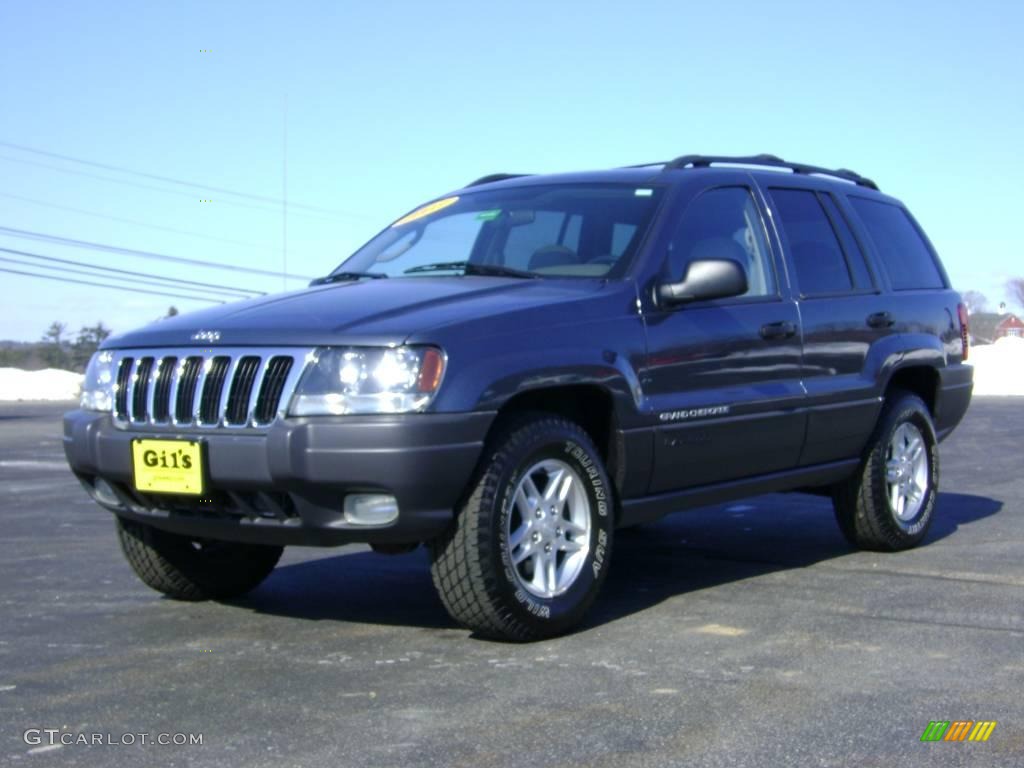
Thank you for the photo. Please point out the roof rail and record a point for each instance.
(770, 161)
(496, 177)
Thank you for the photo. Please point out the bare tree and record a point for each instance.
(1015, 287)
(975, 301)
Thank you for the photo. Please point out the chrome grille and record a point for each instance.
(241, 389)
(124, 379)
(160, 405)
(213, 389)
(140, 392)
(232, 388)
(270, 388)
(187, 377)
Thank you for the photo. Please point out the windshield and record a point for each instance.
(566, 230)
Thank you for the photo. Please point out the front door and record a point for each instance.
(723, 376)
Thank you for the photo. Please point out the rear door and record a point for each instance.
(844, 317)
(723, 376)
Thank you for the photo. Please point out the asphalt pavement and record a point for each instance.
(747, 634)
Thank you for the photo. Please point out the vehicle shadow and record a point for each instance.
(688, 552)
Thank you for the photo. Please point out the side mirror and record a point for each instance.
(706, 279)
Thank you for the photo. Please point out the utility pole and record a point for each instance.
(284, 199)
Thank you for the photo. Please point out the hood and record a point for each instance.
(365, 311)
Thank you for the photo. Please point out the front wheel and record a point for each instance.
(194, 569)
(529, 548)
(889, 503)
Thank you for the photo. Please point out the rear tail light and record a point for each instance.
(961, 311)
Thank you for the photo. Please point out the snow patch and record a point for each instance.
(48, 384)
(999, 367)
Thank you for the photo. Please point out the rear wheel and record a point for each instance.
(194, 569)
(529, 548)
(889, 503)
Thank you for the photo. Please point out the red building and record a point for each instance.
(1011, 325)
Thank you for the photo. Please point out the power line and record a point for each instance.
(172, 180)
(242, 293)
(134, 222)
(26, 234)
(141, 281)
(136, 185)
(113, 287)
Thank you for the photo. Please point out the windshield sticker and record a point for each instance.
(644, 192)
(489, 215)
(426, 210)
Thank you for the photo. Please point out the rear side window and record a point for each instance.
(906, 257)
(854, 255)
(817, 256)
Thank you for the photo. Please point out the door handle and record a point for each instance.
(880, 320)
(781, 330)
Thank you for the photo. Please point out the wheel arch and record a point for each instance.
(921, 380)
(589, 405)
(593, 408)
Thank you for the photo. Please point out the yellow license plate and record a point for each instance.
(168, 466)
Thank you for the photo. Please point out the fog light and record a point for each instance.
(104, 494)
(370, 509)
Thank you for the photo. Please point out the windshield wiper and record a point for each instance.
(498, 270)
(441, 266)
(471, 268)
(341, 277)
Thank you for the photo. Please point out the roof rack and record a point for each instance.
(496, 177)
(771, 161)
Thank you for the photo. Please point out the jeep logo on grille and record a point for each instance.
(210, 336)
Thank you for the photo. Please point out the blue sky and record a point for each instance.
(392, 103)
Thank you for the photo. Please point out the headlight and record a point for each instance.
(369, 380)
(98, 386)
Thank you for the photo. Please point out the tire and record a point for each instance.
(864, 504)
(506, 575)
(194, 569)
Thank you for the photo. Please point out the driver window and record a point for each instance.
(724, 223)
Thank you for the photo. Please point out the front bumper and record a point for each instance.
(286, 484)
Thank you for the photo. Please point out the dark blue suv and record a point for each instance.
(511, 372)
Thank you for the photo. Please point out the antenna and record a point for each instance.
(284, 199)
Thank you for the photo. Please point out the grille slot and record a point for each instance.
(227, 388)
(241, 390)
(272, 388)
(140, 388)
(187, 389)
(162, 389)
(213, 388)
(124, 379)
